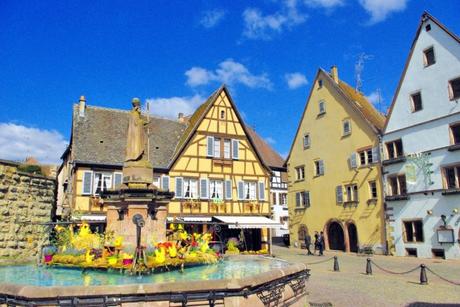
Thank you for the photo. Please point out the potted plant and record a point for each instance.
(48, 253)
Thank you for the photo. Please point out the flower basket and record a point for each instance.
(113, 260)
(127, 261)
(48, 258)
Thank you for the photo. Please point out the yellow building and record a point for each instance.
(210, 160)
(333, 169)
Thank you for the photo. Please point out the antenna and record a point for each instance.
(359, 67)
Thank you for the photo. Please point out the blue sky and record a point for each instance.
(175, 53)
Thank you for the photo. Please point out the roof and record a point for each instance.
(425, 16)
(100, 137)
(267, 153)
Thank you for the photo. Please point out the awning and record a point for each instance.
(190, 218)
(89, 217)
(239, 222)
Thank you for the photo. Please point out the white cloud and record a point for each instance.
(212, 18)
(229, 72)
(375, 97)
(270, 140)
(295, 80)
(380, 9)
(171, 107)
(327, 4)
(258, 25)
(18, 142)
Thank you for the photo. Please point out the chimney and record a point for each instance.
(82, 106)
(335, 74)
(180, 117)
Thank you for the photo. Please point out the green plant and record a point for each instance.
(31, 169)
(232, 245)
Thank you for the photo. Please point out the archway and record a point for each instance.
(352, 237)
(335, 236)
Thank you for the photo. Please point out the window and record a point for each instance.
(339, 194)
(454, 89)
(165, 183)
(249, 190)
(102, 182)
(428, 57)
(455, 133)
(320, 83)
(235, 149)
(394, 149)
(283, 198)
(227, 145)
(373, 189)
(216, 189)
(368, 156)
(274, 198)
(190, 188)
(217, 148)
(352, 192)
(87, 182)
(222, 114)
(451, 177)
(319, 167)
(321, 107)
(416, 101)
(397, 185)
(346, 127)
(300, 173)
(117, 179)
(302, 199)
(413, 231)
(156, 181)
(306, 141)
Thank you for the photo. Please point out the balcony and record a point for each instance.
(278, 185)
(451, 191)
(394, 160)
(397, 197)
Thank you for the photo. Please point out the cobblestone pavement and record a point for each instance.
(352, 287)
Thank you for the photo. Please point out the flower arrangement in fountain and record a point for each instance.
(83, 248)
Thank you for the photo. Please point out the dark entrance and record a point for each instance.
(353, 237)
(335, 236)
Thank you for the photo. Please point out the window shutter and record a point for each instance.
(117, 179)
(297, 199)
(179, 187)
(235, 149)
(87, 182)
(228, 189)
(339, 194)
(165, 183)
(204, 187)
(210, 149)
(321, 167)
(375, 154)
(261, 190)
(451, 91)
(240, 190)
(306, 196)
(353, 160)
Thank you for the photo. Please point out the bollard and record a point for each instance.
(423, 278)
(336, 264)
(368, 267)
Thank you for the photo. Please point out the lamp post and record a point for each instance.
(138, 220)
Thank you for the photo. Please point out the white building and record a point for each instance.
(421, 146)
(278, 192)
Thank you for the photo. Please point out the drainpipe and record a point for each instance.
(382, 188)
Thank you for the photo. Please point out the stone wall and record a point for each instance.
(25, 200)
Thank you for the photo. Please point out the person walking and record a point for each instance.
(308, 243)
(321, 243)
(316, 242)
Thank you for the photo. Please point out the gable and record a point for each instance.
(431, 81)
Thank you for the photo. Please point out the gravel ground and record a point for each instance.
(352, 287)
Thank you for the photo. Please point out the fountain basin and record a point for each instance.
(236, 280)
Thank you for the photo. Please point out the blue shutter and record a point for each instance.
(165, 183)
(240, 190)
(261, 190)
(339, 194)
(375, 154)
(228, 189)
(297, 199)
(210, 149)
(204, 188)
(235, 149)
(321, 167)
(87, 182)
(353, 160)
(179, 187)
(117, 179)
(306, 200)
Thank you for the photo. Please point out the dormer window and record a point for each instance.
(428, 57)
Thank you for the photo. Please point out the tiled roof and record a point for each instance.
(100, 137)
(366, 108)
(270, 157)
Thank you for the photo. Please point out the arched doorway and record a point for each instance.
(335, 236)
(352, 237)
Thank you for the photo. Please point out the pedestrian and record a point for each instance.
(316, 242)
(308, 243)
(321, 243)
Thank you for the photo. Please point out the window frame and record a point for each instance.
(214, 185)
(452, 135)
(393, 144)
(306, 136)
(412, 101)
(352, 193)
(184, 188)
(103, 176)
(322, 102)
(345, 121)
(373, 186)
(452, 96)
(414, 232)
(297, 168)
(425, 58)
(319, 167)
(456, 168)
(398, 184)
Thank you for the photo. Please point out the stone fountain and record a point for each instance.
(137, 196)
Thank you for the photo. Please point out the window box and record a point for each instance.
(350, 203)
(396, 197)
(223, 162)
(394, 160)
(372, 201)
